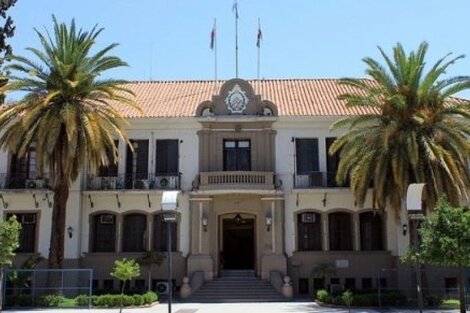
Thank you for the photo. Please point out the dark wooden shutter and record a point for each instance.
(134, 227)
(167, 157)
(160, 234)
(112, 169)
(104, 235)
(340, 231)
(142, 159)
(309, 234)
(307, 155)
(371, 231)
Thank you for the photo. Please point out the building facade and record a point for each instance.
(256, 186)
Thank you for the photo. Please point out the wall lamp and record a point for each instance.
(269, 222)
(204, 222)
(70, 231)
(405, 229)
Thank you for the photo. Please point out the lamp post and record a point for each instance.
(169, 206)
(415, 214)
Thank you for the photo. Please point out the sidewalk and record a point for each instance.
(279, 307)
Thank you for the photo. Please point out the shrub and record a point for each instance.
(366, 299)
(150, 297)
(322, 295)
(51, 300)
(82, 300)
(138, 299)
(127, 300)
(394, 298)
(433, 301)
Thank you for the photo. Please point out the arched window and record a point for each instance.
(371, 231)
(133, 235)
(104, 233)
(160, 238)
(309, 231)
(340, 230)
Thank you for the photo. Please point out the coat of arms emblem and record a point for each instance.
(236, 100)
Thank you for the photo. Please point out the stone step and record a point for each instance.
(236, 286)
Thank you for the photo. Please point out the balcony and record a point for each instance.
(317, 180)
(140, 181)
(236, 180)
(24, 181)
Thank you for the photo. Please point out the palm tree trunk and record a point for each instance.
(56, 248)
(462, 289)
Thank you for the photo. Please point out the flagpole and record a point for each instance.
(215, 51)
(235, 5)
(259, 46)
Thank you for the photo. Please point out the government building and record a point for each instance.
(256, 191)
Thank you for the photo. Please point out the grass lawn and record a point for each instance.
(450, 304)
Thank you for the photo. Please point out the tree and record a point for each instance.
(445, 241)
(9, 242)
(68, 112)
(418, 133)
(150, 260)
(6, 31)
(125, 270)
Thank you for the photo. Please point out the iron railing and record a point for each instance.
(317, 180)
(24, 181)
(135, 181)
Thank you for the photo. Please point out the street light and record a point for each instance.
(415, 213)
(169, 206)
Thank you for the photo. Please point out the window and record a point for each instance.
(371, 231)
(350, 284)
(137, 164)
(22, 169)
(309, 231)
(139, 285)
(111, 170)
(104, 233)
(167, 157)
(27, 238)
(340, 231)
(133, 237)
(366, 283)
(108, 284)
(306, 156)
(237, 155)
(160, 234)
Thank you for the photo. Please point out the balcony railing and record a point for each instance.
(24, 181)
(317, 180)
(139, 181)
(236, 179)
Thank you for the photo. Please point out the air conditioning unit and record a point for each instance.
(28, 219)
(141, 184)
(165, 182)
(162, 287)
(107, 219)
(108, 183)
(34, 183)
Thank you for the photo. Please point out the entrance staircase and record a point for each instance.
(236, 286)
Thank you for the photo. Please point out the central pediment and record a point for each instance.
(236, 98)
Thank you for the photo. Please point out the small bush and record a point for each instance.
(51, 300)
(433, 301)
(127, 300)
(82, 300)
(367, 299)
(322, 295)
(138, 300)
(150, 297)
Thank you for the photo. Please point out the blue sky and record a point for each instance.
(169, 39)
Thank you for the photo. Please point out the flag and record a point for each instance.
(213, 34)
(235, 8)
(259, 37)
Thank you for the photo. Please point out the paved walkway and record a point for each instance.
(282, 307)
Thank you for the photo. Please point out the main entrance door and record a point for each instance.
(238, 244)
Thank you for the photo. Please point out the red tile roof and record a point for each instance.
(293, 97)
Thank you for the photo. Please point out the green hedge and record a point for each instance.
(389, 298)
(109, 301)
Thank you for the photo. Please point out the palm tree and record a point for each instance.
(66, 111)
(418, 133)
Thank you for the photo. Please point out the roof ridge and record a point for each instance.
(163, 81)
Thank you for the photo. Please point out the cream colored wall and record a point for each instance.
(337, 198)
